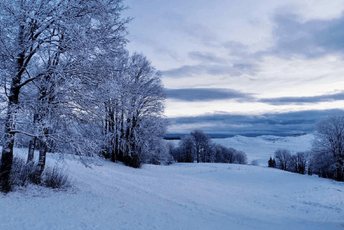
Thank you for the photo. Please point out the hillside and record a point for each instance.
(179, 196)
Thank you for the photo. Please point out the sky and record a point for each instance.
(245, 67)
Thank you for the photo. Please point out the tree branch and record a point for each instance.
(22, 132)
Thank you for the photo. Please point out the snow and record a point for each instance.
(179, 196)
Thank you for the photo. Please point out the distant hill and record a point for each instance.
(177, 136)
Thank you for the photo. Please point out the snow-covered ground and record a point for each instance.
(179, 196)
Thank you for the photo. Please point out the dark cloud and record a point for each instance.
(313, 38)
(207, 94)
(303, 100)
(184, 71)
(210, 94)
(267, 124)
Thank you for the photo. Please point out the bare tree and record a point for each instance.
(298, 162)
(283, 157)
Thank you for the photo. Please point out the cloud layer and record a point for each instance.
(206, 94)
(210, 94)
(267, 124)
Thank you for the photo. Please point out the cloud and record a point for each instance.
(303, 100)
(211, 69)
(267, 124)
(310, 39)
(207, 57)
(201, 33)
(157, 46)
(207, 94)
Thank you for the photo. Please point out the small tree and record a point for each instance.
(272, 163)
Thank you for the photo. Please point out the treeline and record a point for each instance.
(199, 147)
(325, 159)
(301, 162)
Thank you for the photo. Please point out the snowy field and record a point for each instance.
(179, 196)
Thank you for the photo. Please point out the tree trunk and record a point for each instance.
(10, 122)
(7, 150)
(42, 158)
(31, 152)
(32, 143)
(7, 156)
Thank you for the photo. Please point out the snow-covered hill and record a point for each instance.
(179, 196)
(262, 147)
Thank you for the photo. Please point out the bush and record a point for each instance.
(154, 160)
(22, 173)
(161, 154)
(254, 163)
(55, 178)
(240, 158)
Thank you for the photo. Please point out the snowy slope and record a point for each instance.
(179, 196)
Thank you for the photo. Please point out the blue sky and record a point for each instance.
(248, 66)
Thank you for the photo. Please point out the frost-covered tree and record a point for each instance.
(43, 42)
(132, 110)
(240, 157)
(188, 149)
(328, 148)
(25, 34)
(219, 153)
(202, 144)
